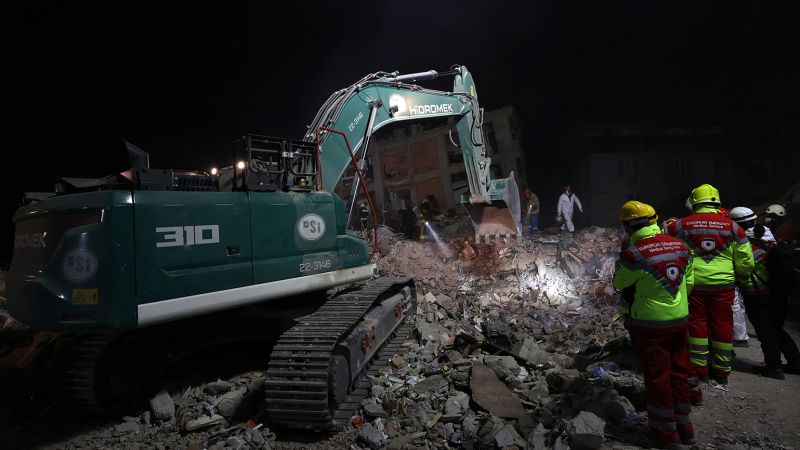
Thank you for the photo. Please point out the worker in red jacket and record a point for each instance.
(720, 250)
(659, 269)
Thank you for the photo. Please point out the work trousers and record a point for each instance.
(567, 225)
(664, 357)
(767, 313)
(533, 223)
(711, 322)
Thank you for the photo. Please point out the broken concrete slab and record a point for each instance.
(433, 383)
(586, 431)
(492, 394)
(370, 436)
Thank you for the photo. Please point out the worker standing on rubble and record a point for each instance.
(531, 211)
(566, 207)
(659, 268)
(720, 250)
(766, 304)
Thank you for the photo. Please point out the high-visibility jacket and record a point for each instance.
(719, 247)
(756, 283)
(660, 268)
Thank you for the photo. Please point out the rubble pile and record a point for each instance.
(509, 349)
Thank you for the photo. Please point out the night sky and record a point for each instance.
(182, 83)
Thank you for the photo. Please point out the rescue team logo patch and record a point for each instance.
(708, 244)
(673, 272)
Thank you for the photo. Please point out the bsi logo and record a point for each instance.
(188, 235)
(311, 227)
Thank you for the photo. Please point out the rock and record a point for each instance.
(585, 431)
(229, 403)
(162, 406)
(537, 439)
(145, 418)
(491, 394)
(399, 442)
(218, 387)
(526, 424)
(561, 380)
(559, 444)
(370, 436)
(508, 436)
(125, 428)
(457, 405)
(433, 383)
(489, 429)
(497, 332)
(618, 409)
(373, 408)
(204, 422)
(505, 367)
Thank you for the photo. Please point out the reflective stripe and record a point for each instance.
(707, 232)
(665, 413)
(659, 323)
(666, 257)
(716, 345)
(735, 230)
(665, 426)
(722, 353)
(682, 407)
(698, 340)
(698, 348)
(712, 287)
(683, 420)
(702, 362)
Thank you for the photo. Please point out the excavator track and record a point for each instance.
(72, 379)
(302, 365)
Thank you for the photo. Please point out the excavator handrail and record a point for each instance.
(363, 183)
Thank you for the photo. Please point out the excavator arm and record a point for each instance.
(381, 99)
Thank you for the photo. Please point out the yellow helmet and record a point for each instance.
(635, 213)
(705, 193)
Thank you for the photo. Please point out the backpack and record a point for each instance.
(783, 266)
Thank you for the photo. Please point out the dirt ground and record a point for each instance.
(754, 410)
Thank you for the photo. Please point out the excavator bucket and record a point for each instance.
(499, 219)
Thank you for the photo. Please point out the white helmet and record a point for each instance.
(688, 204)
(776, 210)
(742, 214)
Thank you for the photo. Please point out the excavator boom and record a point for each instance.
(381, 99)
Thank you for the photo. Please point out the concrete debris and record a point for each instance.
(371, 436)
(493, 395)
(162, 406)
(585, 431)
(514, 347)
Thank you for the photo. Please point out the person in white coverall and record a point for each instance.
(566, 206)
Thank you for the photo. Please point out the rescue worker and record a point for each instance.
(566, 207)
(531, 211)
(720, 249)
(660, 269)
(766, 308)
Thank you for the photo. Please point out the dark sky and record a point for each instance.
(183, 82)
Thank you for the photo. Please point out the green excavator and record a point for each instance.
(129, 267)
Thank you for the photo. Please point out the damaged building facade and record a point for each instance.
(409, 162)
